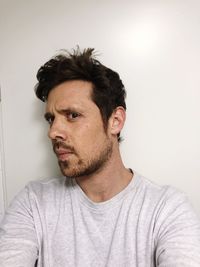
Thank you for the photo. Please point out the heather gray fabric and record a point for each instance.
(145, 225)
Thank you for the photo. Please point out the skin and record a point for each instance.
(84, 149)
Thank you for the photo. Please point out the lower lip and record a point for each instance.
(64, 156)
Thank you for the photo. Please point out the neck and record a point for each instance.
(108, 182)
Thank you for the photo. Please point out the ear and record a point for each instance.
(117, 120)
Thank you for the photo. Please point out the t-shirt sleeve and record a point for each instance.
(178, 238)
(18, 240)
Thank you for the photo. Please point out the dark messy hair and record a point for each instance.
(108, 89)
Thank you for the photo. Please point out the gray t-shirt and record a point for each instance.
(54, 222)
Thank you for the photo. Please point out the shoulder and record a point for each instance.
(42, 190)
(48, 188)
(47, 184)
(162, 193)
(164, 202)
(170, 214)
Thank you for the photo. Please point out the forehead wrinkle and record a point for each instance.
(62, 107)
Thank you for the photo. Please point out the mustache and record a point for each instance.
(61, 145)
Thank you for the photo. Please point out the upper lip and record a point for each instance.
(62, 151)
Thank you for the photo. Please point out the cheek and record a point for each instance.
(90, 130)
(89, 137)
(81, 137)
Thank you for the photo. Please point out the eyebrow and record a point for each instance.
(49, 115)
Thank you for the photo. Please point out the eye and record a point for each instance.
(72, 115)
(49, 119)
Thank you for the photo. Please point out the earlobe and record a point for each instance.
(117, 120)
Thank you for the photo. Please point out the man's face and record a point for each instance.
(76, 129)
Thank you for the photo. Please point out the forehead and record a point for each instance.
(76, 93)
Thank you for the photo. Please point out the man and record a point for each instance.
(99, 213)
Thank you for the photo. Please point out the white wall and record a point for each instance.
(154, 45)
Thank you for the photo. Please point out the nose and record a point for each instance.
(57, 130)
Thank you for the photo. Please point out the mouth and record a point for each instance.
(63, 155)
